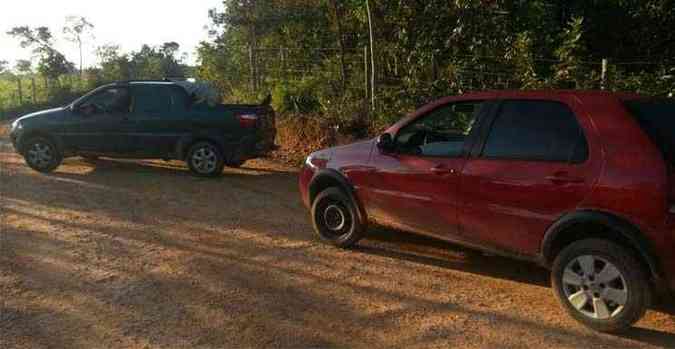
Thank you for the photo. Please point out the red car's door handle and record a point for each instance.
(562, 178)
(442, 170)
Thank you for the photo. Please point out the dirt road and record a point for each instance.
(142, 255)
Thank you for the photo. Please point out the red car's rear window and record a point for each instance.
(657, 118)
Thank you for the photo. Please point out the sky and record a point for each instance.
(127, 23)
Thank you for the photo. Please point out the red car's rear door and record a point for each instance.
(533, 166)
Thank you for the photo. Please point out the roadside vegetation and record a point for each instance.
(355, 66)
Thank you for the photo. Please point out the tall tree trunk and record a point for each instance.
(251, 62)
(253, 45)
(81, 60)
(372, 55)
(341, 43)
(32, 83)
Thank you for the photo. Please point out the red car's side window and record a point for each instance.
(440, 133)
(536, 131)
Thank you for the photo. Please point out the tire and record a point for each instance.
(582, 274)
(335, 218)
(205, 159)
(41, 154)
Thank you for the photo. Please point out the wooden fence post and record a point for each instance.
(20, 91)
(32, 81)
(603, 82)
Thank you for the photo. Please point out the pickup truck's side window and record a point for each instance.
(148, 99)
(536, 131)
(111, 100)
(179, 99)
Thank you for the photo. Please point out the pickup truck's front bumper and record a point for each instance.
(15, 139)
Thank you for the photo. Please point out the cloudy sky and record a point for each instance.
(128, 23)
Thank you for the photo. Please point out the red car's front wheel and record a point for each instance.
(335, 218)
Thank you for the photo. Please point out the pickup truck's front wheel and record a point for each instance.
(205, 159)
(42, 155)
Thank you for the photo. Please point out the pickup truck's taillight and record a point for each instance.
(248, 120)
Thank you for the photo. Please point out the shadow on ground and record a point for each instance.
(141, 253)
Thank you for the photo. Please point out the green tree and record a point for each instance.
(77, 30)
(52, 63)
(114, 65)
(38, 39)
(171, 65)
(24, 66)
(570, 53)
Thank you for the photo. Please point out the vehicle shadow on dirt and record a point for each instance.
(399, 245)
(280, 187)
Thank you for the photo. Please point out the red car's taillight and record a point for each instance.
(248, 120)
(671, 193)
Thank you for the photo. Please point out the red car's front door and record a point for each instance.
(534, 166)
(416, 184)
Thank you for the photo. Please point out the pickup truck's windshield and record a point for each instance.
(657, 118)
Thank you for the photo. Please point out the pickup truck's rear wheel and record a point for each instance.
(205, 159)
(601, 284)
(335, 218)
(41, 154)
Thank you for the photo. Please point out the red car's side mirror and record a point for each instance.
(385, 142)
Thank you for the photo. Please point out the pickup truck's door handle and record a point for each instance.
(442, 170)
(564, 178)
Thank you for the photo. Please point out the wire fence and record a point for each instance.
(350, 70)
(463, 73)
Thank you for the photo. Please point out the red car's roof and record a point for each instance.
(495, 94)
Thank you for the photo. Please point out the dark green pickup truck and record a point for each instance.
(146, 120)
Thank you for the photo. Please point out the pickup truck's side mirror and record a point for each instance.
(385, 143)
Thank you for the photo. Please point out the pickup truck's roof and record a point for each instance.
(199, 90)
(144, 82)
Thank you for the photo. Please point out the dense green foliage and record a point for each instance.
(55, 81)
(310, 54)
(313, 56)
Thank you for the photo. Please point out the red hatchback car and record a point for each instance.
(580, 182)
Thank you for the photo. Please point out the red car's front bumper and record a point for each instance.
(305, 178)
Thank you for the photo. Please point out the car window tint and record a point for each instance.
(111, 100)
(151, 99)
(442, 132)
(657, 118)
(179, 99)
(536, 130)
